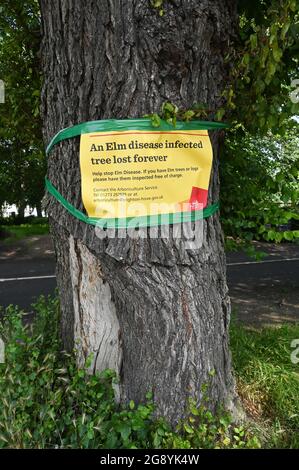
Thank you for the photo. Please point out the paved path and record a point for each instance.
(262, 293)
(267, 296)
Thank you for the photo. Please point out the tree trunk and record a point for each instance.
(153, 310)
(39, 211)
(21, 212)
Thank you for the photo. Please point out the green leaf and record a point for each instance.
(246, 59)
(293, 5)
(167, 106)
(125, 430)
(157, 3)
(188, 115)
(220, 113)
(285, 29)
(288, 235)
(149, 395)
(132, 405)
(188, 428)
(155, 120)
(277, 54)
(253, 41)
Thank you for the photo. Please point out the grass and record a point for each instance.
(18, 232)
(268, 381)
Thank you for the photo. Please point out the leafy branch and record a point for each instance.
(171, 113)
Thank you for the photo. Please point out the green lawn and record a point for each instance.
(17, 232)
(268, 380)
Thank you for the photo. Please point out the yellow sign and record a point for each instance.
(144, 173)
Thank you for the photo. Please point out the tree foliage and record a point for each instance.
(260, 191)
(22, 162)
(48, 402)
(259, 166)
(264, 60)
(259, 170)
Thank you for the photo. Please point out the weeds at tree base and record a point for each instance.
(48, 403)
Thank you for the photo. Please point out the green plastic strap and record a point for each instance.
(119, 125)
(144, 221)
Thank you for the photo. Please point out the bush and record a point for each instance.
(47, 402)
(17, 232)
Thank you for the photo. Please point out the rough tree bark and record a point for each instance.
(150, 309)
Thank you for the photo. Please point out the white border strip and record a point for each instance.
(263, 262)
(31, 278)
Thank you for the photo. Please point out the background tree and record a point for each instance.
(260, 187)
(260, 162)
(264, 61)
(22, 161)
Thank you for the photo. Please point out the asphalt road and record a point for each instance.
(23, 280)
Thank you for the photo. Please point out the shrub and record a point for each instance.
(48, 402)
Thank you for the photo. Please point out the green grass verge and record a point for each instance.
(268, 380)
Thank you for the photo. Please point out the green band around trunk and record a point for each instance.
(146, 221)
(119, 125)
